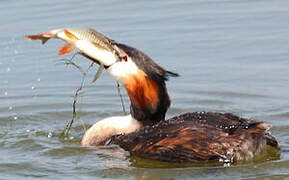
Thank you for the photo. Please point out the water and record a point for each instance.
(232, 56)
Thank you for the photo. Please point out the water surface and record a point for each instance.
(232, 56)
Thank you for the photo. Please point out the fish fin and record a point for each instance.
(38, 37)
(44, 40)
(70, 35)
(65, 49)
(98, 73)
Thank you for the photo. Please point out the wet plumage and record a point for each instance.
(199, 137)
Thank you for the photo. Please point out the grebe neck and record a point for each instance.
(149, 99)
(103, 130)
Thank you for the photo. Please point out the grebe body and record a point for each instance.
(199, 137)
(190, 137)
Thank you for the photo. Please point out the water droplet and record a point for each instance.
(10, 108)
(28, 130)
(5, 93)
(15, 117)
(49, 135)
(227, 164)
(32, 87)
(71, 138)
(38, 79)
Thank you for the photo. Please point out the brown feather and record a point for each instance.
(198, 137)
(143, 92)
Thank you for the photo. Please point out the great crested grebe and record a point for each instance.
(190, 137)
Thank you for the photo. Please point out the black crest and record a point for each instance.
(145, 63)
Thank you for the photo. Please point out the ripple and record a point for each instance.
(65, 151)
(27, 145)
(27, 169)
(232, 94)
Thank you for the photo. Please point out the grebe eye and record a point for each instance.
(124, 58)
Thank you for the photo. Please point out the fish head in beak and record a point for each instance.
(100, 53)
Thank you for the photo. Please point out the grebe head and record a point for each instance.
(136, 63)
(144, 81)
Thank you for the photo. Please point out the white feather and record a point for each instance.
(121, 70)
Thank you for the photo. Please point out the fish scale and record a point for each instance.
(98, 39)
(93, 36)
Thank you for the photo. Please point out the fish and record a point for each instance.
(88, 41)
(98, 73)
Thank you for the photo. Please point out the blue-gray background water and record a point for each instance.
(232, 55)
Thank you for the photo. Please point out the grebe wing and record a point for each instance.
(189, 140)
(228, 122)
(219, 120)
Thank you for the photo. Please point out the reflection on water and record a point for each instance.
(232, 57)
